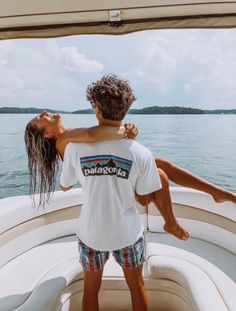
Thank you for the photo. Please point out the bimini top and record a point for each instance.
(34, 18)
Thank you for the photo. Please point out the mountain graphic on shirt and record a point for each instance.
(105, 165)
(111, 163)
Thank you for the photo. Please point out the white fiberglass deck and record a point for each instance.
(40, 270)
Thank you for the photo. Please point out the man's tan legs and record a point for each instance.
(92, 284)
(184, 178)
(135, 281)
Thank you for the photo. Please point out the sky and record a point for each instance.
(189, 68)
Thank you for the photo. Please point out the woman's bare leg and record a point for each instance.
(184, 178)
(162, 201)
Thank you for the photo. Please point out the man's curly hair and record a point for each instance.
(113, 95)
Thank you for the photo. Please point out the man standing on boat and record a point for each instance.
(111, 173)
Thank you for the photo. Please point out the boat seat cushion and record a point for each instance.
(220, 257)
(188, 265)
(39, 274)
(193, 281)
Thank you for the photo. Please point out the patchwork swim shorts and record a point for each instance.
(128, 257)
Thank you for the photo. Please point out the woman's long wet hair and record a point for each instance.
(43, 160)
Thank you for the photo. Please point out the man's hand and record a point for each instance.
(131, 130)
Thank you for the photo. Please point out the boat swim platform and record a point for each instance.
(40, 269)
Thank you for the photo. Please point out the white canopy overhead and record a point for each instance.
(34, 18)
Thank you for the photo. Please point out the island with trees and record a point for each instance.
(147, 110)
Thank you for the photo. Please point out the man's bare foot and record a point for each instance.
(221, 195)
(177, 231)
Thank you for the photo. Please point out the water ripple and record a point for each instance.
(204, 145)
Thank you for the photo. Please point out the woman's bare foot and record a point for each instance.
(221, 195)
(177, 231)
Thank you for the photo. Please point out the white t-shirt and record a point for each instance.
(110, 173)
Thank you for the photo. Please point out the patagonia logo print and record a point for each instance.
(105, 165)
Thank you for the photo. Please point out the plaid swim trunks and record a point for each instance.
(128, 257)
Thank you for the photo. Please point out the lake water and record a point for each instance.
(204, 144)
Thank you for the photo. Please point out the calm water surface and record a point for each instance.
(204, 144)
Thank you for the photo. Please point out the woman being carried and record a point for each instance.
(46, 138)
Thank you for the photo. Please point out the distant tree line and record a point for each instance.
(28, 110)
(221, 111)
(147, 110)
(166, 110)
(84, 111)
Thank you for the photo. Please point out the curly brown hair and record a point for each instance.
(113, 95)
(43, 159)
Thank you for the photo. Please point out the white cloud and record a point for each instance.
(140, 73)
(187, 87)
(159, 64)
(41, 73)
(170, 67)
(76, 61)
(202, 62)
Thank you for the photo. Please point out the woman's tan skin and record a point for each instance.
(184, 178)
(53, 126)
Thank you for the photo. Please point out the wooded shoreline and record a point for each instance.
(147, 110)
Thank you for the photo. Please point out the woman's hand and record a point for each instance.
(131, 130)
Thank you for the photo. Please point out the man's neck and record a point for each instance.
(109, 122)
